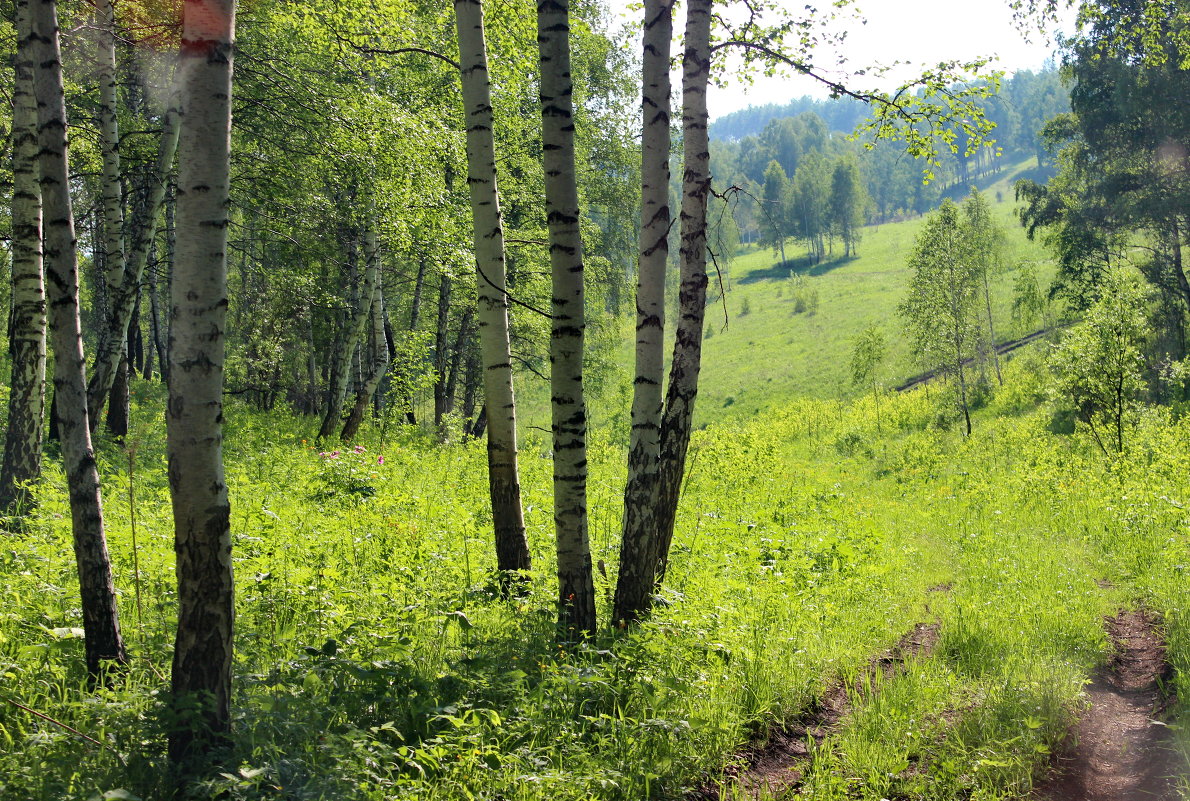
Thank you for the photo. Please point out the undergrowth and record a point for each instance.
(376, 659)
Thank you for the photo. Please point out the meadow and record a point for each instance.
(375, 658)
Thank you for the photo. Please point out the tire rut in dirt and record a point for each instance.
(1122, 751)
(777, 766)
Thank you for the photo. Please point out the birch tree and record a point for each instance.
(380, 352)
(111, 189)
(101, 623)
(986, 241)
(201, 677)
(504, 484)
(576, 587)
(638, 549)
(27, 333)
(692, 291)
(341, 367)
(940, 311)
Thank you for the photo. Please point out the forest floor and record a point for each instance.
(1122, 748)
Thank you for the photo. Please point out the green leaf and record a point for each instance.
(459, 617)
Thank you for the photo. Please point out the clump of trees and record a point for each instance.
(948, 312)
(1100, 366)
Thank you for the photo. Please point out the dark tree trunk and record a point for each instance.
(441, 348)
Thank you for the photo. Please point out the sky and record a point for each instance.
(923, 32)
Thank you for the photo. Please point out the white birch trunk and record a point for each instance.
(201, 677)
(576, 590)
(121, 298)
(341, 370)
(638, 549)
(109, 146)
(101, 622)
(692, 292)
(504, 483)
(380, 354)
(27, 335)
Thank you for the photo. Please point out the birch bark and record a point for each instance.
(639, 543)
(27, 334)
(576, 589)
(101, 622)
(341, 370)
(692, 293)
(201, 677)
(380, 352)
(504, 484)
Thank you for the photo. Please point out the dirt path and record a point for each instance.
(777, 766)
(1122, 751)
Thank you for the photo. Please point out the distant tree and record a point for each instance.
(773, 226)
(986, 240)
(941, 311)
(848, 202)
(1099, 365)
(810, 203)
(867, 354)
(1028, 301)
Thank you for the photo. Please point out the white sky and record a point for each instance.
(923, 32)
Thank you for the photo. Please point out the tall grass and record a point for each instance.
(376, 659)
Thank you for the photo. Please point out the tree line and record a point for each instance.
(824, 184)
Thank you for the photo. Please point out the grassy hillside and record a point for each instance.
(765, 351)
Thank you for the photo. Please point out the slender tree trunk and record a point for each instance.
(118, 410)
(639, 544)
(471, 377)
(341, 369)
(441, 348)
(101, 622)
(456, 360)
(123, 294)
(692, 295)
(987, 297)
(1178, 270)
(27, 331)
(504, 484)
(415, 317)
(155, 329)
(201, 682)
(962, 386)
(111, 183)
(380, 352)
(576, 587)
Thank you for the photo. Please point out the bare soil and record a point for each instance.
(777, 765)
(1122, 750)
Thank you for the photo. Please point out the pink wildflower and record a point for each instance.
(360, 449)
(379, 460)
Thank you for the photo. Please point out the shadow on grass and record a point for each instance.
(791, 267)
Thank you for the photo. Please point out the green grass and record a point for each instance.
(375, 661)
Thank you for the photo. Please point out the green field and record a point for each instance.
(763, 351)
